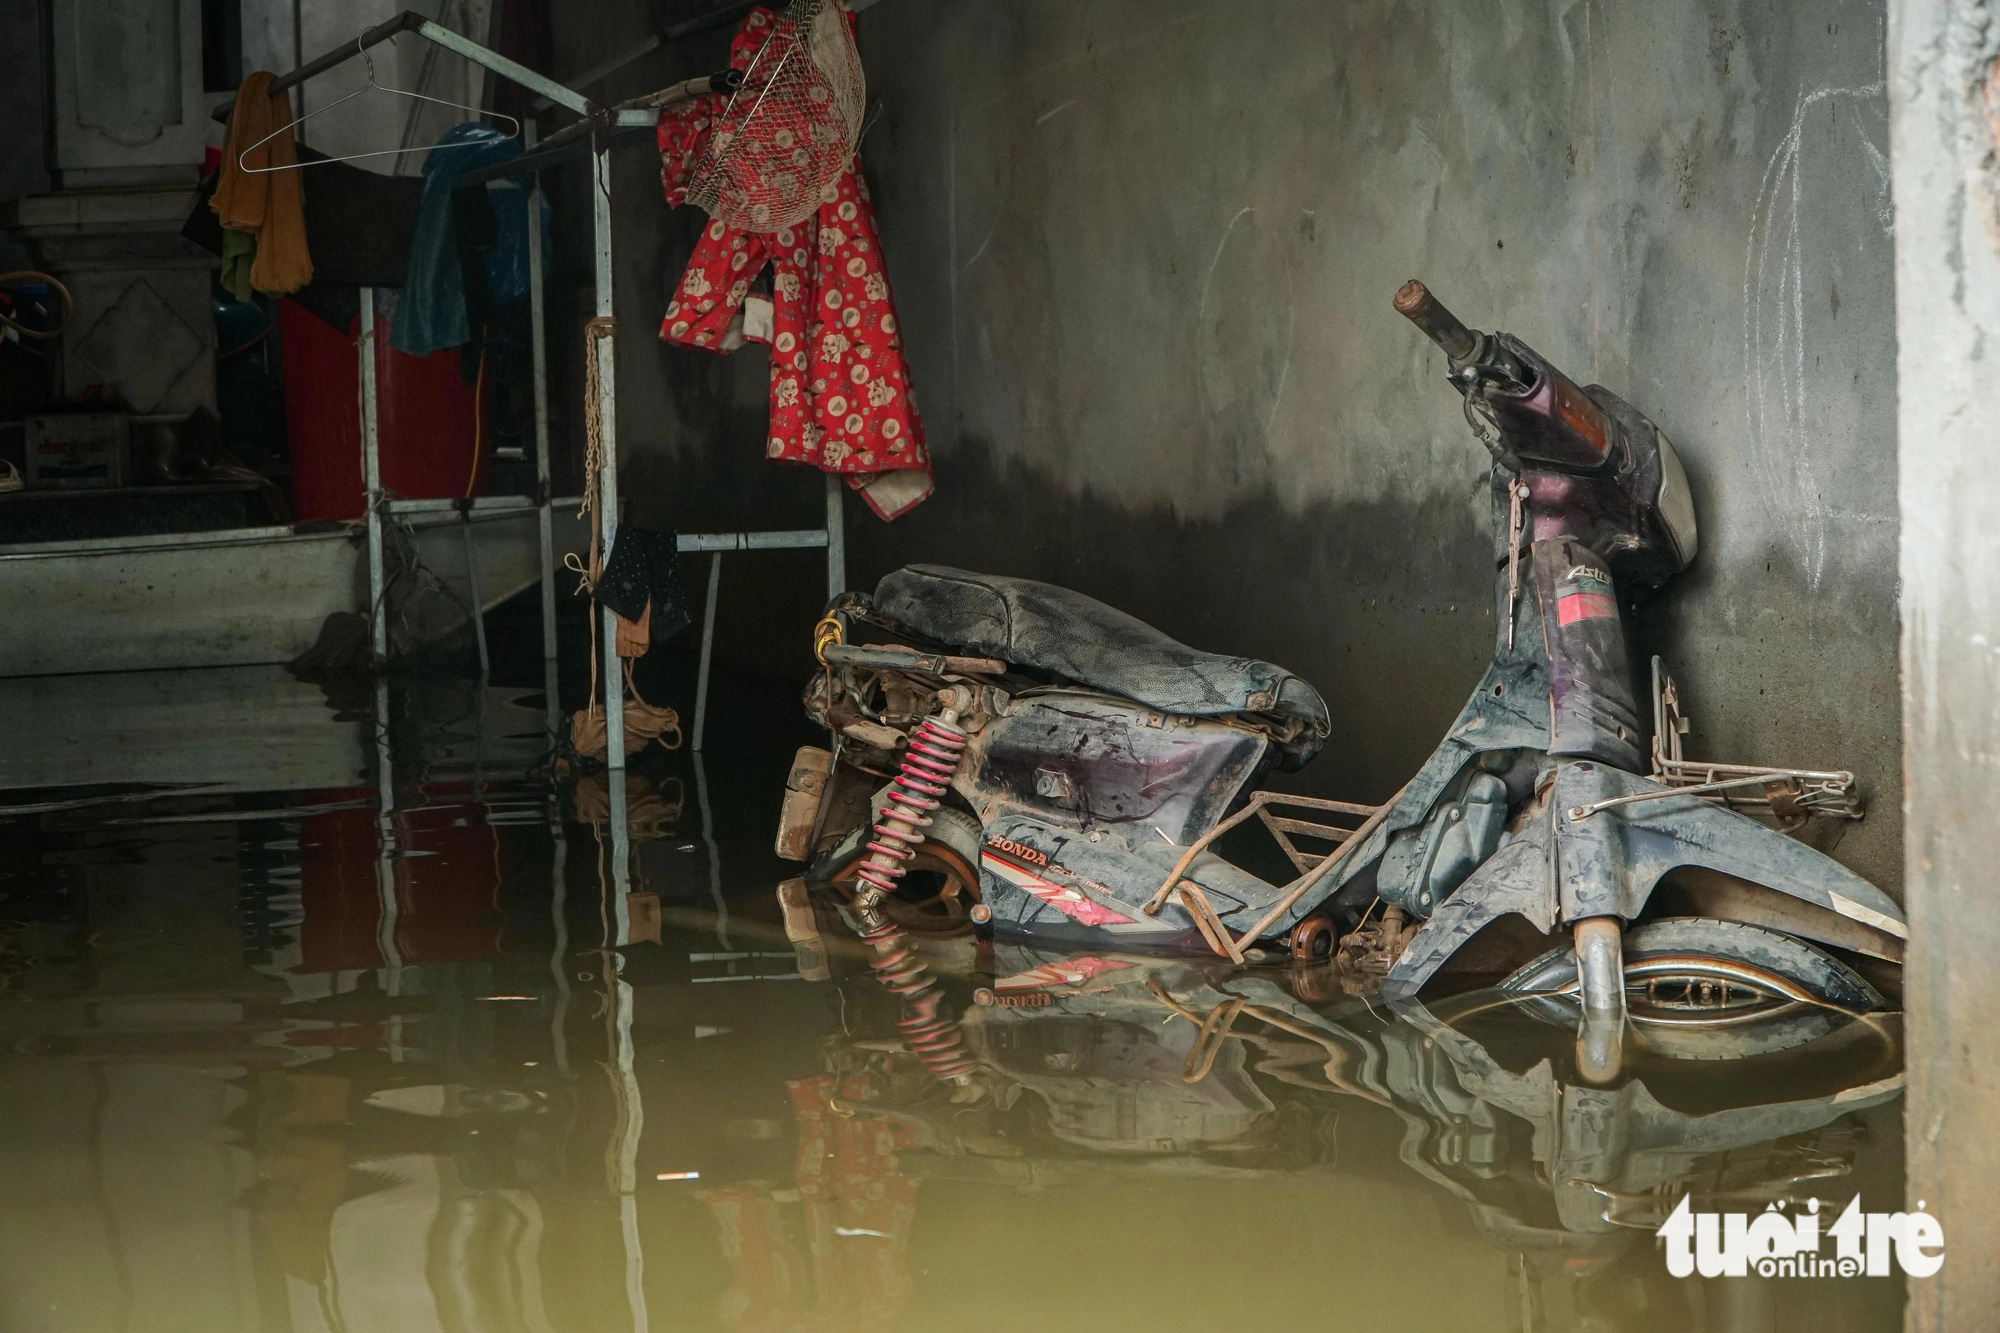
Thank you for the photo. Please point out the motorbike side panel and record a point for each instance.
(1047, 881)
(1096, 763)
(1564, 870)
(1508, 711)
(1087, 801)
(1516, 879)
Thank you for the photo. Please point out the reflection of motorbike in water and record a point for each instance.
(1071, 1070)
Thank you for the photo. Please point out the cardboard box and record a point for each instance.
(73, 449)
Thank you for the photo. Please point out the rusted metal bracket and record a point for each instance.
(1208, 923)
(1332, 862)
(835, 653)
(1790, 796)
(1282, 829)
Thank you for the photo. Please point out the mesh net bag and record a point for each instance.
(790, 130)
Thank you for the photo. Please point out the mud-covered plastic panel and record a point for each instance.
(1041, 879)
(1107, 765)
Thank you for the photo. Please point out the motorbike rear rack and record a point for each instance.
(1284, 829)
(1788, 796)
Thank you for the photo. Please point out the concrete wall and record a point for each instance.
(24, 168)
(1144, 254)
(1947, 118)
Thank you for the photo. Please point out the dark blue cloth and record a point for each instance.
(433, 311)
(507, 261)
(644, 566)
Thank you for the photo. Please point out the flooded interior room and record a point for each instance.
(837, 665)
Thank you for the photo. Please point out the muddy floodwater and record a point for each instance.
(308, 1022)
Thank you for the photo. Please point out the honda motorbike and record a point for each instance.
(1022, 757)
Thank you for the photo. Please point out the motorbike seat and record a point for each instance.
(1047, 628)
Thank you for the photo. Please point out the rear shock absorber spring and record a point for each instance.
(933, 1037)
(928, 765)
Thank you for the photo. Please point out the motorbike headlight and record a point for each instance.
(1676, 502)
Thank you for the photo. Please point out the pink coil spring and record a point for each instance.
(933, 1038)
(928, 765)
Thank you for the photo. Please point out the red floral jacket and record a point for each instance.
(840, 388)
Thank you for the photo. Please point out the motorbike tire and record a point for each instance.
(1703, 989)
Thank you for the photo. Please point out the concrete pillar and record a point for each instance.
(1944, 88)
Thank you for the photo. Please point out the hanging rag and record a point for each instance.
(239, 256)
(358, 227)
(641, 585)
(840, 388)
(644, 724)
(433, 314)
(264, 205)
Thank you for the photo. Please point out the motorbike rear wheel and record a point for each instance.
(938, 890)
(1697, 988)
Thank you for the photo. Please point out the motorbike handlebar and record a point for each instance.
(1415, 303)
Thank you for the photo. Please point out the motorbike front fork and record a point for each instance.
(1593, 715)
(1600, 975)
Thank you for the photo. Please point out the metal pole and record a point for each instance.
(714, 853)
(478, 596)
(707, 649)
(621, 855)
(632, 1124)
(559, 886)
(606, 351)
(385, 862)
(371, 476)
(836, 538)
(501, 65)
(538, 341)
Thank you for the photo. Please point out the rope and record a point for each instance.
(598, 329)
(644, 724)
(595, 330)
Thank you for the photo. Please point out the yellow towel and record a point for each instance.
(265, 205)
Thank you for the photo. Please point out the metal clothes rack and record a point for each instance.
(595, 137)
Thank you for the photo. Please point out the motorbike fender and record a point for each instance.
(1608, 862)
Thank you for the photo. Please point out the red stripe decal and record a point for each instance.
(1576, 606)
(1066, 900)
(1070, 972)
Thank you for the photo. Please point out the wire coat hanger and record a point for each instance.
(369, 60)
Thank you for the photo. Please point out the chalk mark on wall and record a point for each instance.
(1774, 335)
(1245, 321)
(1208, 278)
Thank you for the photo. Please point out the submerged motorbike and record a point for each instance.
(1026, 758)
